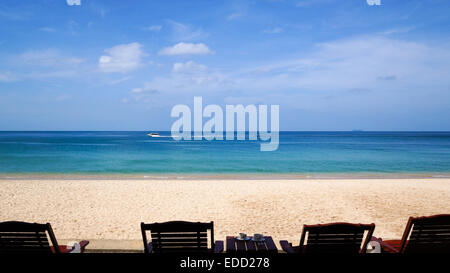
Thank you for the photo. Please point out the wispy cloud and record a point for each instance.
(121, 58)
(120, 80)
(274, 30)
(147, 89)
(183, 32)
(7, 76)
(73, 27)
(334, 69)
(146, 94)
(185, 49)
(47, 29)
(307, 3)
(73, 2)
(344, 63)
(235, 15)
(154, 28)
(188, 67)
(13, 15)
(42, 64)
(48, 58)
(398, 30)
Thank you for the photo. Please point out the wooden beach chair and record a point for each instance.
(180, 236)
(422, 235)
(23, 237)
(332, 238)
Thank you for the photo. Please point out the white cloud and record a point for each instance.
(146, 89)
(146, 94)
(7, 77)
(15, 16)
(42, 64)
(182, 32)
(398, 30)
(273, 30)
(121, 58)
(360, 62)
(307, 3)
(47, 29)
(390, 69)
(176, 84)
(117, 81)
(373, 2)
(154, 28)
(65, 73)
(47, 57)
(73, 2)
(188, 67)
(235, 15)
(185, 48)
(73, 27)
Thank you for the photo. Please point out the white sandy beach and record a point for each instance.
(113, 209)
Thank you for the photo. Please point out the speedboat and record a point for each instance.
(153, 135)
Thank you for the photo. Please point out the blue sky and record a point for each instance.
(122, 65)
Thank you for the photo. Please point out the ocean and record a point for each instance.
(299, 153)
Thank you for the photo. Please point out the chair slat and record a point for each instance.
(183, 250)
(26, 237)
(37, 236)
(427, 234)
(431, 231)
(21, 242)
(169, 240)
(178, 244)
(336, 242)
(36, 250)
(429, 240)
(22, 234)
(178, 236)
(336, 237)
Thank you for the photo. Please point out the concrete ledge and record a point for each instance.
(109, 246)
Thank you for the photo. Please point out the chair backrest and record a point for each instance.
(22, 237)
(178, 236)
(336, 238)
(427, 235)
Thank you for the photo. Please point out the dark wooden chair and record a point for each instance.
(422, 235)
(22, 237)
(332, 238)
(180, 236)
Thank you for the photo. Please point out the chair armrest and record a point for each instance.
(286, 246)
(218, 247)
(83, 245)
(384, 245)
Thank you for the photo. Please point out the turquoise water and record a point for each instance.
(298, 153)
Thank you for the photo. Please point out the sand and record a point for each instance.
(112, 210)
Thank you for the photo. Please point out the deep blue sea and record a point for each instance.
(299, 153)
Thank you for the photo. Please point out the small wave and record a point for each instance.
(88, 144)
(154, 141)
(57, 144)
